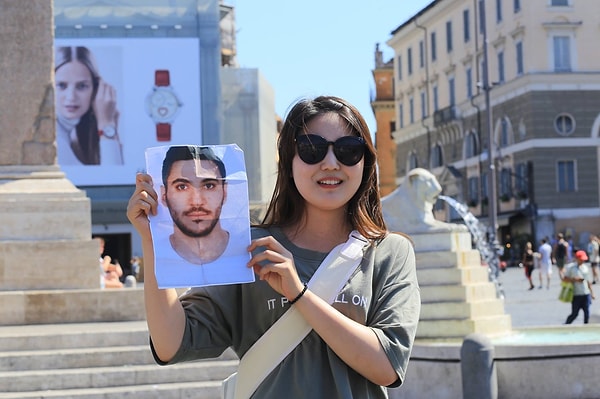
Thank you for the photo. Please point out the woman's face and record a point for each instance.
(74, 89)
(327, 185)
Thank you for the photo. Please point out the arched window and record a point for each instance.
(437, 157)
(471, 145)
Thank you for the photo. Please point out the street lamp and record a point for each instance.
(486, 86)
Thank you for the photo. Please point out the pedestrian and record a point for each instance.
(359, 341)
(527, 259)
(593, 251)
(560, 252)
(580, 275)
(545, 262)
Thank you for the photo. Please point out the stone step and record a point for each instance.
(75, 358)
(448, 259)
(442, 241)
(99, 360)
(72, 335)
(464, 275)
(179, 390)
(461, 310)
(107, 377)
(492, 325)
(456, 293)
(71, 306)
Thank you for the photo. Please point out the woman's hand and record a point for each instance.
(142, 204)
(105, 106)
(277, 267)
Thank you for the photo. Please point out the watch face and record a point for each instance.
(162, 105)
(109, 132)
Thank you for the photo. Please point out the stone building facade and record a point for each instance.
(543, 91)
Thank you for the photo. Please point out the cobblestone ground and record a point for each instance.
(540, 306)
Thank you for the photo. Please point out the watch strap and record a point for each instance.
(162, 77)
(163, 132)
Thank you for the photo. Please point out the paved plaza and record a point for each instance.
(539, 307)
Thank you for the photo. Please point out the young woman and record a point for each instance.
(326, 187)
(86, 111)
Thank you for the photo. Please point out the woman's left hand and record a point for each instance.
(276, 266)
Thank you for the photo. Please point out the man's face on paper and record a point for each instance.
(194, 194)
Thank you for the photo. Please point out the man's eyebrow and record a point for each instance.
(180, 180)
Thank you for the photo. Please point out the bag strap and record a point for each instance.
(291, 328)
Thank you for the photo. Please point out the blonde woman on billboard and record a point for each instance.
(86, 111)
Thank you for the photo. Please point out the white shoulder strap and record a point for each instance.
(291, 328)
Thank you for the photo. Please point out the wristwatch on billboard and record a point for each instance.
(162, 104)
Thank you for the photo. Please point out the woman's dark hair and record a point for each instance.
(287, 205)
(87, 148)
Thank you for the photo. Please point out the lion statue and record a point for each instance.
(409, 208)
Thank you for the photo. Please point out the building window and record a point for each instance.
(560, 3)
(466, 25)
(469, 76)
(564, 124)
(409, 60)
(449, 36)
(562, 53)
(399, 67)
(498, 11)
(517, 5)
(501, 66)
(521, 181)
(421, 54)
(565, 172)
(481, 8)
(411, 110)
(413, 162)
(401, 115)
(451, 91)
(436, 100)
(505, 184)
(519, 50)
(473, 191)
(423, 105)
(433, 47)
(484, 186)
(471, 149)
(504, 133)
(437, 158)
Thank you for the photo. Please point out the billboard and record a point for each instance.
(115, 97)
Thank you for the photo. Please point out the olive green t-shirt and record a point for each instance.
(383, 294)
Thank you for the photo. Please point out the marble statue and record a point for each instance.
(409, 208)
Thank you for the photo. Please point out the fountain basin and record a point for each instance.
(534, 362)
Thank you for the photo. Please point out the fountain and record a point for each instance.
(461, 299)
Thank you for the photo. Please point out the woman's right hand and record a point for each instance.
(105, 106)
(142, 204)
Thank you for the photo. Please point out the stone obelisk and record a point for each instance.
(45, 221)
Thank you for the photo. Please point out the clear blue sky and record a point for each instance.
(312, 47)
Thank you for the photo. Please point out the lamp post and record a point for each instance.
(492, 196)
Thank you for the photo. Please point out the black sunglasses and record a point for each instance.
(312, 149)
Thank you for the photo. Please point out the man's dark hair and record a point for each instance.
(190, 152)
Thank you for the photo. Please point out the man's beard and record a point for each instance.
(195, 233)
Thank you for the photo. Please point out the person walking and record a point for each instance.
(580, 275)
(527, 259)
(357, 344)
(560, 253)
(593, 251)
(545, 263)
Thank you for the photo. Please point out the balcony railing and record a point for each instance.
(444, 116)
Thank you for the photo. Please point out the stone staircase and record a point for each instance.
(106, 360)
(457, 297)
